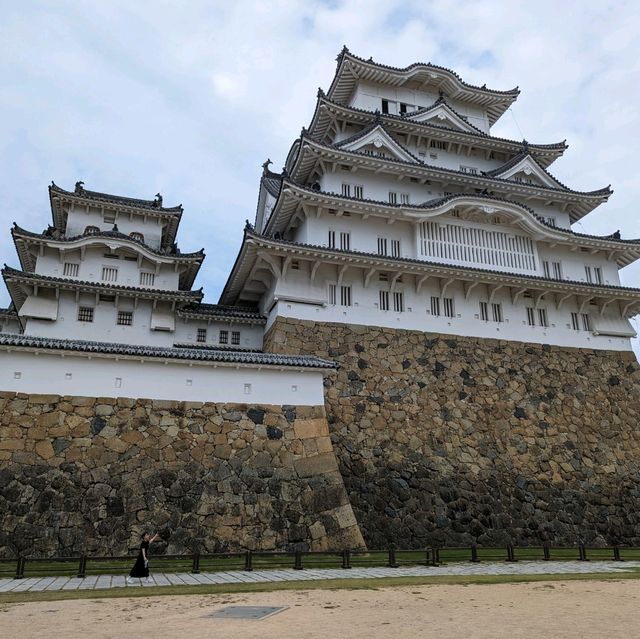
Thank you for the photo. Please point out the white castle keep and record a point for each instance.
(396, 207)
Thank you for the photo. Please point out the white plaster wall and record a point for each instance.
(26, 372)
(8, 325)
(377, 187)
(104, 327)
(187, 331)
(79, 218)
(90, 268)
(369, 96)
(417, 316)
(365, 234)
(573, 263)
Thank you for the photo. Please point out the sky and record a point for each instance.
(188, 99)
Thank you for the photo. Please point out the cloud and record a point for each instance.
(190, 98)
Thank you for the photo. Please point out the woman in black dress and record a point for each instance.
(141, 567)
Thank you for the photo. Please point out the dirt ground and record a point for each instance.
(563, 610)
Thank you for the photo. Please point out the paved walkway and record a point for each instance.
(39, 584)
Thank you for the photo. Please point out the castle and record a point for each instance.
(413, 345)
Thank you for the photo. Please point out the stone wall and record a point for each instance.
(460, 440)
(80, 474)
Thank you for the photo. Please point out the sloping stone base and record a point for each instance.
(79, 474)
(459, 440)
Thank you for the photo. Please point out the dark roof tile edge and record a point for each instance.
(8, 271)
(431, 204)
(151, 205)
(606, 191)
(428, 65)
(232, 357)
(560, 146)
(113, 234)
(474, 269)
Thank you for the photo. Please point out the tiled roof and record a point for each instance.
(410, 260)
(199, 354)
(223, 312)
(441, 101)
(604, 192)
(518, 158)
(272, 182)
(12, 273)
(51, 234)
(364, 132)
(427, 66)
(556, 146)
(116, 199)
(8, 312)
(439, 201)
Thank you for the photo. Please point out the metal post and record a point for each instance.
(297, 562)
(195, 568)
(427, 557)
(616, 553)
(248, 560)
(346, 559)
(20, 568)
(546, 550)
(474, 554)
(82, 568)
(392, 558)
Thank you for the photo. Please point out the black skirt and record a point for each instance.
(139, 569)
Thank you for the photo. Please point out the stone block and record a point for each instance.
(306, 428)
(44, 449)
(316, 465)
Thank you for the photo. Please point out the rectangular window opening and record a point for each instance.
(125, 318)
(109, 274)
(71, 269)
(223, 337)
(448, 307)
(201, 335)
(531, 317)
(147, 279)
(332, 294)
(345, 296)
(85, 314)
(542, 317)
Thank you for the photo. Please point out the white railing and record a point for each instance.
(477, 247)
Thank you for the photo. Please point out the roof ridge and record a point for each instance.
(399, 118)
(231, 356)
(81, 192)
(411, 260)
(9, 271)
(115, 234)
(434, 202)
(603, 191)
(428, 65)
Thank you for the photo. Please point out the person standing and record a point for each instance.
(140, 569)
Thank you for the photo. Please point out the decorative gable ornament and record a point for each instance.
(444, 115)
(379, 138)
